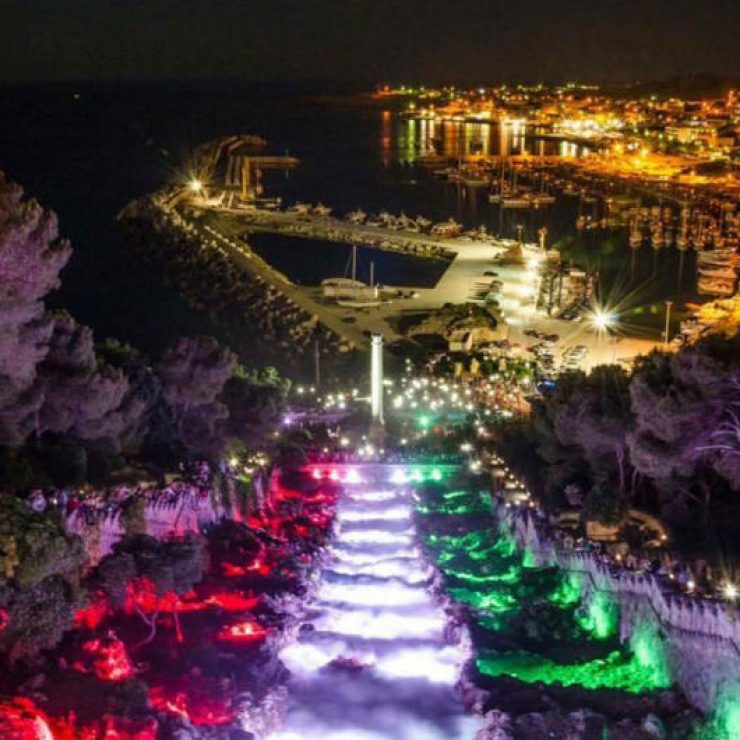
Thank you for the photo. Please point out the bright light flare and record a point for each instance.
(603, 320)
(352, 476)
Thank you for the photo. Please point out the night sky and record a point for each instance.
(424, 40)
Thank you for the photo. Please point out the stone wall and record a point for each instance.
(185, 514)
(701, 637)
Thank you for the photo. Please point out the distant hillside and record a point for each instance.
(699, 85)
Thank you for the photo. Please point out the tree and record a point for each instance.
(147, 575)
(602, 505)
(39, 567)
(20, 473)
(193, 373)
(255, 399)
(31, 258)
(555, 443)
(597, 417)
(38, 614)
(143, 409)
(82, 395)
(39, 545)
(580, 428)
(683, 404)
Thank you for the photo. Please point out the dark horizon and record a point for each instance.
(606, 42)
(700, 83)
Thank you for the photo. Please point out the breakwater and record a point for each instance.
(335, 230)
(241, 289)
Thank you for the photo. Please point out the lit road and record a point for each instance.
(373, 661)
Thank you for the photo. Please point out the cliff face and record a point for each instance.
(186, 514)
(698, 640)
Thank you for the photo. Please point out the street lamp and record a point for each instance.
(195, 185)
(603, 320)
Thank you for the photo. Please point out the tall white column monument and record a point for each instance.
(376, 379)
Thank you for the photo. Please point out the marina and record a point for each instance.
(516, 266)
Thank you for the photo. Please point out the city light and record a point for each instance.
(195, 185)
(603, 320)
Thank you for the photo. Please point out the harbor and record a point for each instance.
(482, 269)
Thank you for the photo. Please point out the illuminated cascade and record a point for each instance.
(375, 663)
(336, 475)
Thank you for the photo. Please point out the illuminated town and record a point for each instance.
(352, 411)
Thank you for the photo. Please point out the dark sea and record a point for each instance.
(87, 150)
